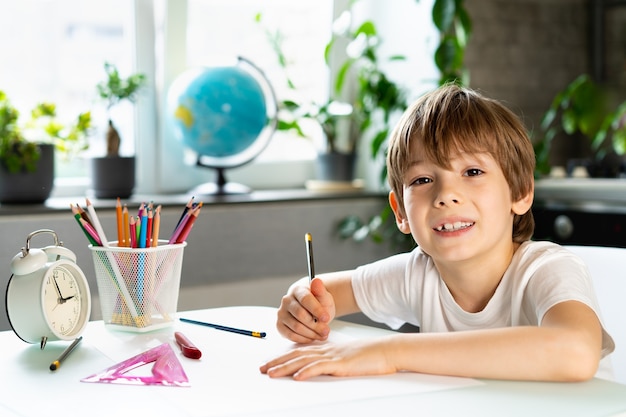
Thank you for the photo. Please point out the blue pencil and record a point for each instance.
(226, 328)
(143, 230)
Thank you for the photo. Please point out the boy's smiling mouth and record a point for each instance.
(453, 227)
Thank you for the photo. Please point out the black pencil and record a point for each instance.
(225, 328)
(55, 365)
(309, 255)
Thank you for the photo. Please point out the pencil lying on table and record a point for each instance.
(225, 328)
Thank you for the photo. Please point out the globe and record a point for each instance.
(225, 115)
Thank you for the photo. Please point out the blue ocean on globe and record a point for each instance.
(217, 111)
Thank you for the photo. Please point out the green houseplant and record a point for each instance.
(114, 175)
(360, 104)
(27, 150)
(585, 109)
(455, 28)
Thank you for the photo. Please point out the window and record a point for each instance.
(215, 32)
(55, 50)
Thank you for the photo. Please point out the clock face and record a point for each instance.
(63, 300)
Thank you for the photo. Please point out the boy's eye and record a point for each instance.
(473, 172)
(422, 180)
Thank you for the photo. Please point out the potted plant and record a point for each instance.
(361, 102)
(27, 151)
(586, 110)
(114, 175)
(455, 28)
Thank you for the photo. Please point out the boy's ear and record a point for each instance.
(401, 220)
(524, 204)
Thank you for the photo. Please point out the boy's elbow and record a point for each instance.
(581, 365)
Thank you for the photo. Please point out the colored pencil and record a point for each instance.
(91, 232)
(133, 232)
(78, 220)
(95, 222)
(120, 223)
(225, 328)
(126, 240)
(193, 215)
(143, 231)
(186, 209)
(149, 228)
(156, 226)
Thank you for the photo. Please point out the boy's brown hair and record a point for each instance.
(453, 119)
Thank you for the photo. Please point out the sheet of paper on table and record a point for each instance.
(228, 374)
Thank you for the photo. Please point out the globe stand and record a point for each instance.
(220, 186)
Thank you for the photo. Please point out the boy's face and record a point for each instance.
(461, 212)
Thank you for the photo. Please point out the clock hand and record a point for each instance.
(60, 300)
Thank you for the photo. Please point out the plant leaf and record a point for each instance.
(443, 14)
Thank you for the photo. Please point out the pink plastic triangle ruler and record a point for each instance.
(167, 370)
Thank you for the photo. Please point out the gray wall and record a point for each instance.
(524, 51)
(240, 253)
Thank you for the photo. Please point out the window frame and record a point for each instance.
(161, 166)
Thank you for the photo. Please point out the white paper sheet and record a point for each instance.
(227, 380)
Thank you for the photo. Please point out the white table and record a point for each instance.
(226, 380)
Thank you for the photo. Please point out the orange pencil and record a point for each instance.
(120, 228)
(156, 224)
(126, 225)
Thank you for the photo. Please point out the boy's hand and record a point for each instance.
(351, 359)
(305, 313)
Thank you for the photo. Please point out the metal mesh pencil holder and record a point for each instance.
(138, 287)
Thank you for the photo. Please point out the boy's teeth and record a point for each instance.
(453, 226)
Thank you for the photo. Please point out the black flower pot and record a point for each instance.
(29, 187)
(113, 176)
(335, 166)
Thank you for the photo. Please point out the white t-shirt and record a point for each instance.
(407, 288)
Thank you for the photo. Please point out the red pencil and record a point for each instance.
(149, 230)
(193, 215)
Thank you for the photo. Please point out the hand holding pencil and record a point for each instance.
(302, 318)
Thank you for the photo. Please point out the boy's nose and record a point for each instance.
(443, 202)
(447, 195)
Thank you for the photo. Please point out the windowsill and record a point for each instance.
(62, 204)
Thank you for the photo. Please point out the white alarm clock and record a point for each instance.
(47, 297)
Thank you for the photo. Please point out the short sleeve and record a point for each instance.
(380, 291)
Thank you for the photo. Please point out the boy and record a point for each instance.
(490, 302)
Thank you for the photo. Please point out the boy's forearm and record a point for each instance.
(520, 353)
